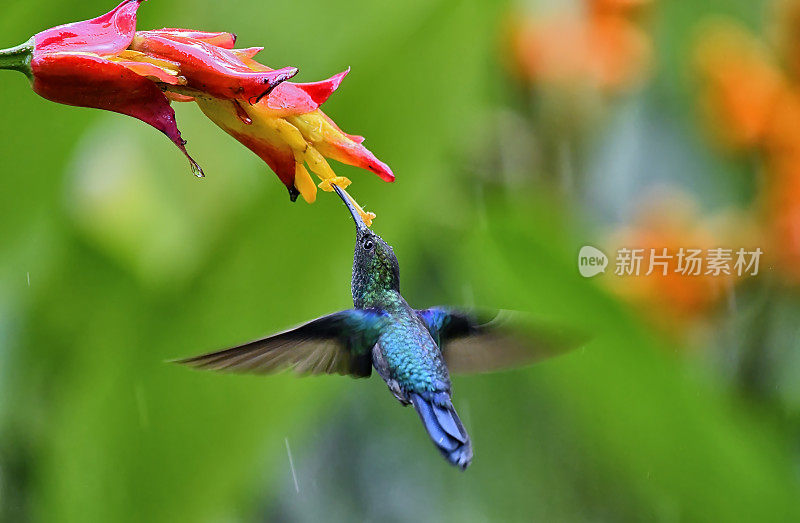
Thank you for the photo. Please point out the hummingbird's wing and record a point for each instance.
(475, 341)
(339, 343)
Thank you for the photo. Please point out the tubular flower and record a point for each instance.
(88, 64)
(105, 63)
(288, 131)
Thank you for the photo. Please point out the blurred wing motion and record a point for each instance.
(339, 343)
(473, 342)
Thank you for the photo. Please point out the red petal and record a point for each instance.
(212, 69)
(231, 117)
(175, 97)
(358, 156)
(353, 153)
(90, 81)
(280, 159)
(291, 98)
(224, 40)
(321, 91)
(248, 52)
(107, 34)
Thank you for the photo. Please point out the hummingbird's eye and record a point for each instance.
(368, 244)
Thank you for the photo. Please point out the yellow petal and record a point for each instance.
(328, 183)
(137, 56)
(304, 184)
(312, 125)
(317, 163)
(289, 133)
(366, 216)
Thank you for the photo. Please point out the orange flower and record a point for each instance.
(602, 48)
(782, 214)
(678, 291)
(617, 7)
(755, 105)
(742, 84)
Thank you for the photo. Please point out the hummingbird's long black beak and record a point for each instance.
(360, 225)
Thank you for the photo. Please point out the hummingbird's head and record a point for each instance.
(375, 266)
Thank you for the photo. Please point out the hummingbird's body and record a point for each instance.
(405, 354)
(410, 349)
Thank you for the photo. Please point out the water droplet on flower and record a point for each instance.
(242, 114)
(196, 169)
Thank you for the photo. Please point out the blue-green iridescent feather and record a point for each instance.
(412, 356)
(406, 355)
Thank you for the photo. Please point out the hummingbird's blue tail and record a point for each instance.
(436, 411)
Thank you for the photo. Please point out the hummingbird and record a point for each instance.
(412, 350)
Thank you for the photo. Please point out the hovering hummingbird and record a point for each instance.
(410, 349)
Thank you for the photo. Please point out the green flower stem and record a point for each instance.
(18, 58)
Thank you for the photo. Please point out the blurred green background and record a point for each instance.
(114, 259)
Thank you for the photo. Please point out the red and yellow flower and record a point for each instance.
(104, 63)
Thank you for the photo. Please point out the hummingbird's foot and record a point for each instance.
(394, 388)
